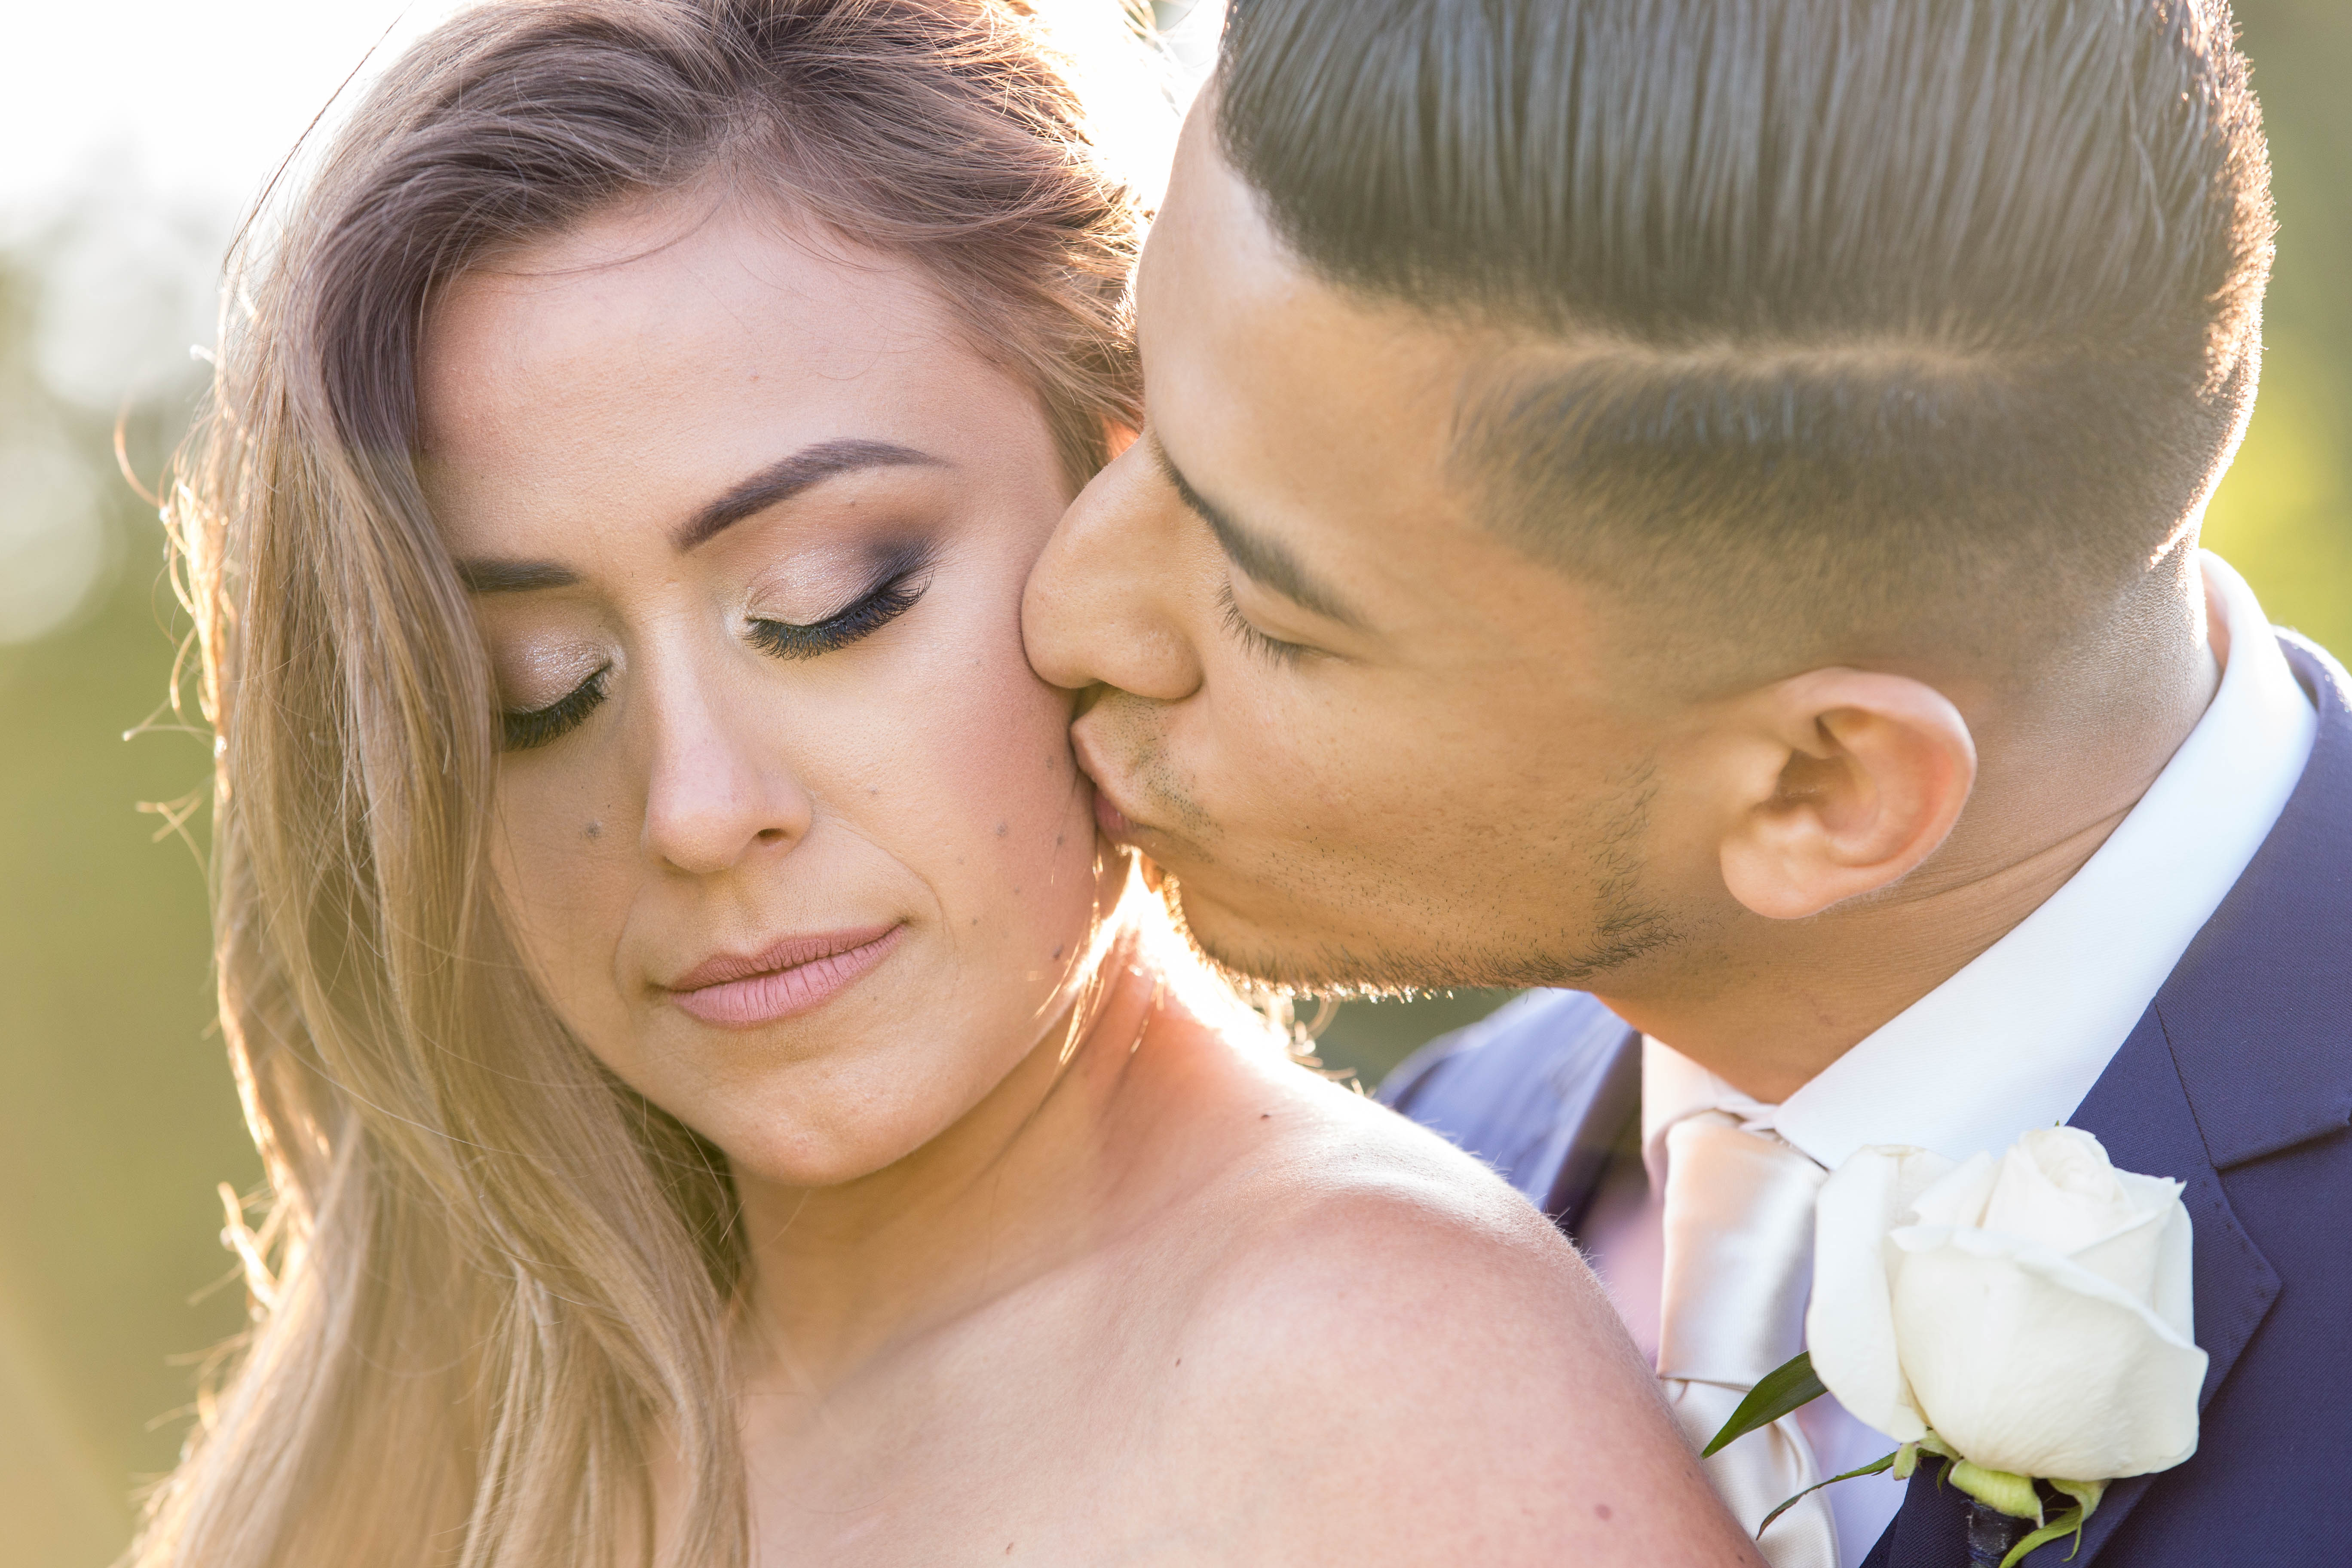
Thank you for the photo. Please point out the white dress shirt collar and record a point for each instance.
(2016, 1039)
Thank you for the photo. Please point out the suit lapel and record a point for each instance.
(2240, 1056)
(2141, 1110)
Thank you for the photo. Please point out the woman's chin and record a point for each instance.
(781, 1157)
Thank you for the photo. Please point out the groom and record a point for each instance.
(1694, 503)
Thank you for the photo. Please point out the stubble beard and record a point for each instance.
(1626, 925)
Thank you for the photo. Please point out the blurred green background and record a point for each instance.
(117, 1115)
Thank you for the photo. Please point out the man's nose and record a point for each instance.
(1106, 602)
(715, 795)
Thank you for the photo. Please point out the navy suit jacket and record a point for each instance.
(2237, 1080)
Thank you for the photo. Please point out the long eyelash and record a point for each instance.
(1256, 641)
(524, 731)
(895, 598)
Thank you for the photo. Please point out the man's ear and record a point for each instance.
(1847, 779)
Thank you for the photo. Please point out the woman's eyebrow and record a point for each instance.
(779, 481)
(782, 480)
(491, 576)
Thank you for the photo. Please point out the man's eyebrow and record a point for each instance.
(1264, 560)
(782, 480)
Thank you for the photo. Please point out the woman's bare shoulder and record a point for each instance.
(1337, 1196)
(1301, 1157)
(1378, 1297)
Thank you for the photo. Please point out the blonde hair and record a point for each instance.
(489, 1293)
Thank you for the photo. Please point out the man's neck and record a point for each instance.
(1769, 1005)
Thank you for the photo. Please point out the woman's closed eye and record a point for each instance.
(903, 580)
(534, 728)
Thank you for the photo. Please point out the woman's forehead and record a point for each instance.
(656, 309)
(601, 375)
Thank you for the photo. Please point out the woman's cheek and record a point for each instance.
(1004, 804)
(1045, 836)
(558, 863)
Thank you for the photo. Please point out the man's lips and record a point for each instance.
(1114, 823)
(1111, 820)
(796, 975)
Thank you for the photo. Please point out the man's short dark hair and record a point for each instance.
(1944, 314)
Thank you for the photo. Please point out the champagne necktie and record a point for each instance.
(1739, 1214)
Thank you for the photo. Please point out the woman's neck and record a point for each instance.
(836, 1275)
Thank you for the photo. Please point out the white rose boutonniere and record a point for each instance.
(2025, 1319)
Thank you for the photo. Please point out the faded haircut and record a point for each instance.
(1846, 322)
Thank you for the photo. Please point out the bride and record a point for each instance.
(722, 1102)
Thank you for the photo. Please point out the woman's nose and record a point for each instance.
(716, 795)
(1104, 605)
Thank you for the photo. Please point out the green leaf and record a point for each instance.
(1787, 1388)
(2067, 1523)
(2011, 1494)
(1871, 1468)
(2087, 1493)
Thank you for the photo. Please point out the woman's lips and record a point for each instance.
(796, 975)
